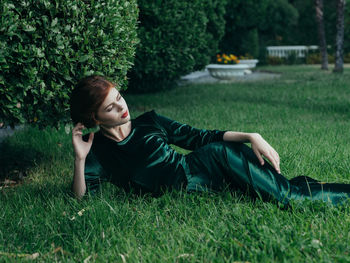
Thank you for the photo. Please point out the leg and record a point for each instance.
(217, 164)
(308, 188)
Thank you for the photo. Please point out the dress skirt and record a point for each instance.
(221, 165)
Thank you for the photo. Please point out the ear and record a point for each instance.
(93, 116)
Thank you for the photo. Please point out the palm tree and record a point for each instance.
(321, 33)
(339, 42)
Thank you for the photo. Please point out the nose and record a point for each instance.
(120, 107)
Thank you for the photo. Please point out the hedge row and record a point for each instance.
(176, 37)
(48, 45)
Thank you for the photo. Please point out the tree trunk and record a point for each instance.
(339, 42)
(321, 33)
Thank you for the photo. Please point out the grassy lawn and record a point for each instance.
(304, 115)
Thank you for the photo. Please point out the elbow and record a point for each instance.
(78, 193)
(79, 196)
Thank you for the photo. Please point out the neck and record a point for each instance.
(117, 133)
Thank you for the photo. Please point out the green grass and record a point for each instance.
(305, 117)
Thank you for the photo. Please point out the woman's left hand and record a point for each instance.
(262, 148)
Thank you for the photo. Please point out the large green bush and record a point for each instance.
(242, 20)
(250, 43)
(48, 45)
(215, 11)
(176, 37)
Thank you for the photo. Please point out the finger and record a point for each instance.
(274, 162)
(77, 128)
(278, 164)
(91, 137)
(269, 157)
(277, 158)
(79, 125)
(261, 160)
(78, 133)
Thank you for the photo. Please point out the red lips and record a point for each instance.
(125, 115)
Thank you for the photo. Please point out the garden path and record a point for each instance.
(204, 77)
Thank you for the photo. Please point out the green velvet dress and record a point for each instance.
(145, 162)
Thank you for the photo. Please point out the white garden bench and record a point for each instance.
(285, 51)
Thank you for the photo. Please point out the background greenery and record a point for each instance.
(304, 115)
(176, 38)
(47, 46)
(250, 24)
(180, 37)
(253, 25)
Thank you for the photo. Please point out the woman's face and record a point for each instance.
(113, 111)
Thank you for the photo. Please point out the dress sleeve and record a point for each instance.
(185, 136)
(94, 174)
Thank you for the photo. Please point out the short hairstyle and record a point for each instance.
(86, 97)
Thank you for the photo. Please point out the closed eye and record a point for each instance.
(119, 97)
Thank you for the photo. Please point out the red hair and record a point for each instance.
(86, 97)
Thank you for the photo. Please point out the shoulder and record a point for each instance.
(149, 116)
(152, 118)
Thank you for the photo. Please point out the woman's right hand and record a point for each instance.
(81, 148)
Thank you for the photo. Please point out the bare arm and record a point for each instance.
(259, 146)
(79, 186)
(231, 136)
(81, 150)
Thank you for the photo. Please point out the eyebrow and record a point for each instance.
(112, 102)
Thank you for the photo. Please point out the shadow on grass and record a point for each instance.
(16, 159)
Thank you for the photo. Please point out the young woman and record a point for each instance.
(135, 154)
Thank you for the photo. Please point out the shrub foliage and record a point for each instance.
(252, 25)
(176, 37)
(48, 45)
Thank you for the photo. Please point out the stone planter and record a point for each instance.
(227, 72)
(250, 62)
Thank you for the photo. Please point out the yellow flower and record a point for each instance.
(227, 59)
(35, 119)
